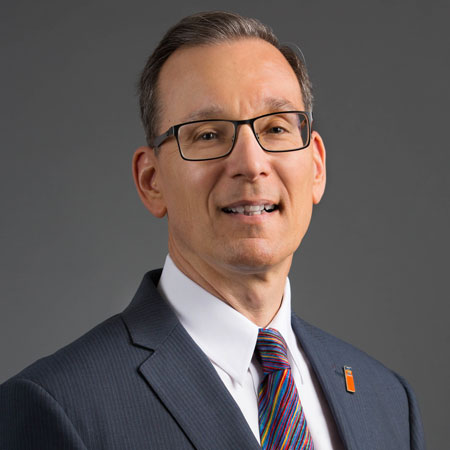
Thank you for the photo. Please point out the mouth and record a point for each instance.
(251, 210)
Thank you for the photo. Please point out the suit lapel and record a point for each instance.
(182, 376)
(343, 405)
(359, 417)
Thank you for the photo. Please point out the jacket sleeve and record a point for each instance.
(416, 433)
(31, 419)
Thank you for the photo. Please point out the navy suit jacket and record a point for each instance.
(138, 381)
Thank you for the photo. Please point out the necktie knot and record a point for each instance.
(271, 350)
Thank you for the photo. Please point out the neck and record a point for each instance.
(256, 293)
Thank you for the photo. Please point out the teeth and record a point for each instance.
(251, 210)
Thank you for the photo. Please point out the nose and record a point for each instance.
(247, 159)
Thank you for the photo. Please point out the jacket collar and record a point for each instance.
(182, 376)
(329, 372)
(148, 318)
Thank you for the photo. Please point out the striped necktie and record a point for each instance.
(282, 423)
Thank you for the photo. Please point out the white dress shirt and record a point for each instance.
(228, 339)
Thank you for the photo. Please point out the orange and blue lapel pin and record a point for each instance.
(349, 380)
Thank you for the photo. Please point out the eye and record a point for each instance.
(276, 130)
(207, 136)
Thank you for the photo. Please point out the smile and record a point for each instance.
(251, 210)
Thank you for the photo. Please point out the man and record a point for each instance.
(207, 355)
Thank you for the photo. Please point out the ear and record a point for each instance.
(319, 158)
(146, 174)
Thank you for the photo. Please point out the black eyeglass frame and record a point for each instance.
(173, 131)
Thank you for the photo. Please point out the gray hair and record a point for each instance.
(208, 28)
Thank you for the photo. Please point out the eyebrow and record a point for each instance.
(210, 112)
(214, 111)
(280, 104)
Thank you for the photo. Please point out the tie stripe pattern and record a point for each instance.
(282, 422)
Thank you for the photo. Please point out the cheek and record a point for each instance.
(300, 193)
(297, 174)
(188, 193)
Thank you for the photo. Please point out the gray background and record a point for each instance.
(75, 240)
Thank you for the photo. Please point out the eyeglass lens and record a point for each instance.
(214, 138)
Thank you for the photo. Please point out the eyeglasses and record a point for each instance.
(202, 140)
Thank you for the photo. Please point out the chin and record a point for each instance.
(254, 258)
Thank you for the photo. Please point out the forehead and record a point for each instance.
(234, 79)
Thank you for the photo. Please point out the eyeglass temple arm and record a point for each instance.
(162, 137)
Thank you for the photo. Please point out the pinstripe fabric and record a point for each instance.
(123, 386)
(282, 422)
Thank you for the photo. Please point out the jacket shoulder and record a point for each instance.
(90, 360)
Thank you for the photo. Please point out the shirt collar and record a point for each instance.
(226, 336)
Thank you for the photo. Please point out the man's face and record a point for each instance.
(238, 80)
